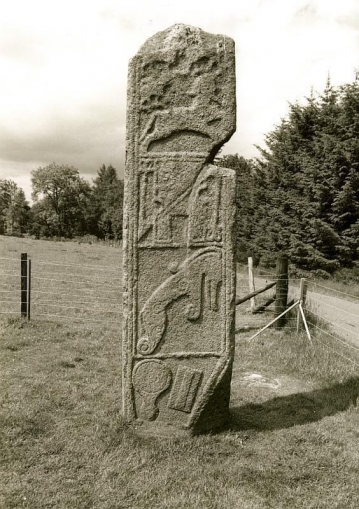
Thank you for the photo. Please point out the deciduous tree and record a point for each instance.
(62, 197)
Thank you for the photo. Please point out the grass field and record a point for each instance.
(292, 441)
(69, 281)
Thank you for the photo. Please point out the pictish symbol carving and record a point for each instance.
(205, 217)
(163, 200)
(202, 268)
(150, 379)
(201, 204)
(179, 220)
(184, 389)
(184, 99)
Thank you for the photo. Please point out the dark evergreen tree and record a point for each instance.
(244, 198)
(105, 210)
(14, 209)
(304, 197)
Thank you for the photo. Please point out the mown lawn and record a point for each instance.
(292, 441)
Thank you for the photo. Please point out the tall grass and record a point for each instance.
(65, 446)
(291, 443)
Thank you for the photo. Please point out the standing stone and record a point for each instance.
(179, 233)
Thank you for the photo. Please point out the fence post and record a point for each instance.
(28, 287)
(251, 282)
(281, 290)
(302, 297)
(24, 281)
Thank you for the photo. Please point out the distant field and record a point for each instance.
(292, 442)
(70, 281)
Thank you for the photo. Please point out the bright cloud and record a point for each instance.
(63, 70)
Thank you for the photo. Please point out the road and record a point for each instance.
(340, 313)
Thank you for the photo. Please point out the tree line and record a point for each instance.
(64, 204)
(300, 197)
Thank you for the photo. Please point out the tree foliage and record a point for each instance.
(14, 209)
(61, 197)
(105, 211)
(244, 199)
(302, 193)
(66, 205)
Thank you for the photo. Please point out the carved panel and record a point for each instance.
(184, 390)
(182, 98)
(179, 264)
(150, 379)
(205, 215)
(201, 269)
(163, 199)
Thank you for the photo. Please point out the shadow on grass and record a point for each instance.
(295, 409)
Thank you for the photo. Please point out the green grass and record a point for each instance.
(69, 280)
(63, 443)
(65, 446)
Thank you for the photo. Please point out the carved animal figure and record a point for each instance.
(202, 268)
(203, 115)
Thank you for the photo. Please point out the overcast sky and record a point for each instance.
(63, 70)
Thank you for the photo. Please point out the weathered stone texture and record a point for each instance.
(179, 287)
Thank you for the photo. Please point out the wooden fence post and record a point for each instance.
(281, 290)
(24, 281)
(240, 300)
(302, 297)
(251, 282)
(28, 287)
(25, 286)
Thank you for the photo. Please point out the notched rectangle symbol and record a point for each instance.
(184, 389)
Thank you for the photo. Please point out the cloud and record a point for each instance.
(91, 135)
(63, 69)
(63, 88)
(25, 48)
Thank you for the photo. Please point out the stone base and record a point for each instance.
(159, 430)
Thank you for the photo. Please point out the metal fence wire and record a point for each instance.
(324, 317)
(80, 293)
(93, 294)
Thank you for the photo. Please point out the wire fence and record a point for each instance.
(71, 292)
(333, 316)
(93, 294)
(262, 276)
(77, 292)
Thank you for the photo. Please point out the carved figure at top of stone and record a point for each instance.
(186, 104)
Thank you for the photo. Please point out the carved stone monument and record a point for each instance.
(179, 232)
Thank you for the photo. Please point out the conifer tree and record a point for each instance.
(14, 209)
(106, 204)
(305, 185)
